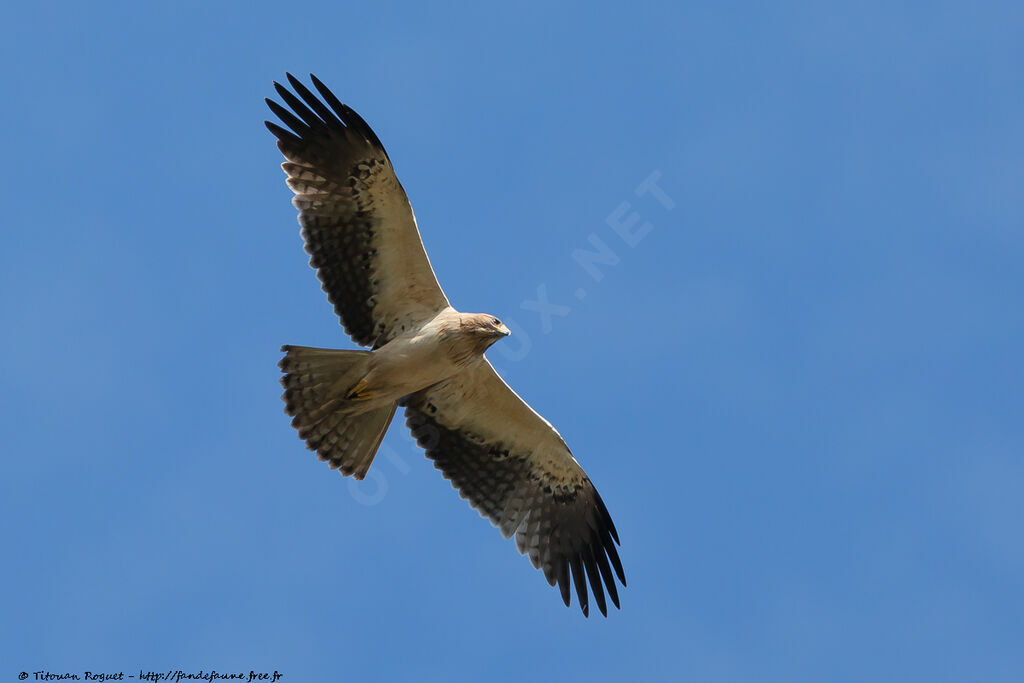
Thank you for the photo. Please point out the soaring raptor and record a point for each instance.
(507, 460)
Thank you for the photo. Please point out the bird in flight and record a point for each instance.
(503, 457)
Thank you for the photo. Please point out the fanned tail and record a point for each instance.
(317, 385)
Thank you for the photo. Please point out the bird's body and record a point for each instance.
(435, 351)
(425, 356)
(412, 361)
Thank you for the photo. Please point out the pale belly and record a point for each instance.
(406, 365)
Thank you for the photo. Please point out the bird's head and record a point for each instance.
(486, 329)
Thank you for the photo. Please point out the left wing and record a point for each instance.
(515, 469)
(359, 228)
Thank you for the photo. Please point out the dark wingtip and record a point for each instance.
(347, 115)
(322, 110)
(291, 120)
(283, 136)
(590, 564)
(613, 555)
(601, 559)
(279, 132)
(562, 574)
(580, 581)
(606, 516)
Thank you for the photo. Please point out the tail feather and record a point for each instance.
(315, 383)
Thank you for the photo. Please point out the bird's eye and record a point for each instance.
(495, 321)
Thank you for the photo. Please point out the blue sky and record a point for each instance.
(799, 393)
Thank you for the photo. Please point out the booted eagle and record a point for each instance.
(507, 460)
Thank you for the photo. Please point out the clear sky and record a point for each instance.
(798, 390)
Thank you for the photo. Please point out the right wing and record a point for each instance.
(516, 470)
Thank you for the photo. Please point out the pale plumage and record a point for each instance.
(507, 460)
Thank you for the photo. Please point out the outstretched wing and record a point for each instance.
(359, 228)
(514, 468)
